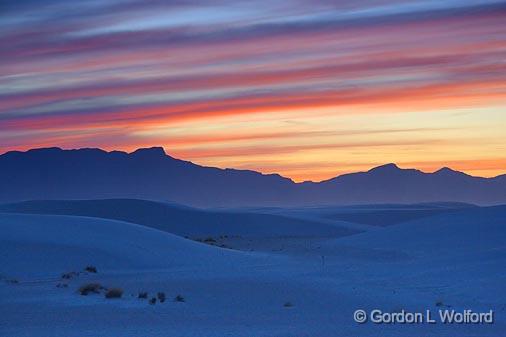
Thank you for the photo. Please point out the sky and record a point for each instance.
(306, 89)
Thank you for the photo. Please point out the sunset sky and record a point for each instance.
(307, 89)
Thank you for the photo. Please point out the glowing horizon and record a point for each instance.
(309, 91)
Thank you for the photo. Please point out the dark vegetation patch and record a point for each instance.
(90, 288)
(114, 293)
(11, 281)
(69, 275)
(161, 297)
(218, 242)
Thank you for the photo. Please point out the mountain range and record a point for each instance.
(53, 173)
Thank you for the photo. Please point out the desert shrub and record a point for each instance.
(143, 294)
(70, 275)
(91, 269)
(90, 288)
(161, 297)
(179, 298)
(114, 293)
(288, 305)
(152, 301)
(442, 304)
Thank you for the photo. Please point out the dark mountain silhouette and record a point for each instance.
(53, 173)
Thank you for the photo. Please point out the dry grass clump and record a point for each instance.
(161, 297)
(114, 293)
(90, 288)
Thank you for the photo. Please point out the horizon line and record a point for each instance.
(392, 164)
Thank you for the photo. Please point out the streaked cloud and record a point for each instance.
(292, 76)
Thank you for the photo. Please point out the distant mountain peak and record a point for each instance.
(445, 169)
(390, 167)
(153, 152)
(45, 150)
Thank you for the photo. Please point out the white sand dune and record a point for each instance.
(459, 257)
(455, 259)
(186, 221)
(49, 243)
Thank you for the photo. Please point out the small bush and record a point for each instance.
(70, 275)
(442, 304)
(179, 298)
(209, 240)
(91, 269)
(161, 297)
(90, 288)
(114, 293)
(288, 305)
(143, 295)
(152, 301)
